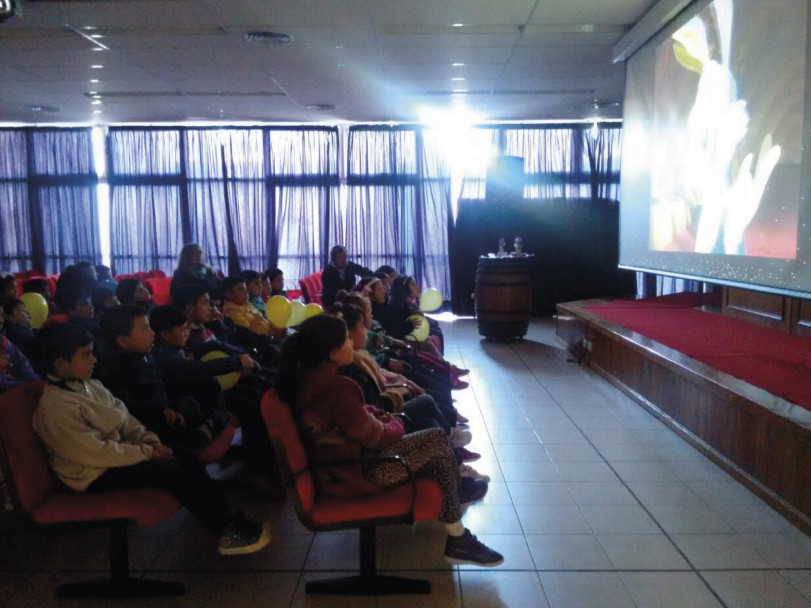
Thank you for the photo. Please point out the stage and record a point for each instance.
(731, 388)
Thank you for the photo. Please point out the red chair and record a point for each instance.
(156, 273)
(311, 287)
(120, 277)
(159, 288)
(31, 489)
(143, 276)
(416, 500)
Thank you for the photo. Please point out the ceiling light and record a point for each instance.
(460, 90)
(319, 106)
(42, 108)
(458, 78)
(457, 64)
(94, 80)
(458, 25)
(96, 111)
(96, 102)
(97, 67)
(267, 38)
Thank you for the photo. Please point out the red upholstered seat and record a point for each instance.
(311, 287)
(214, 451)
(120, 277)
(418, 500)
(159, 288)
(142, 276)
(34, 490)
(157, 273)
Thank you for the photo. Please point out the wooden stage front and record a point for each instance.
(759, 438)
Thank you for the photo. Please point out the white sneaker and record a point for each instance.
(465, 470)
(460, 437)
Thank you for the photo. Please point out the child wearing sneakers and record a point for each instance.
(95, 444)
(336, 424)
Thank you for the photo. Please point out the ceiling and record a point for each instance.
(372, 60)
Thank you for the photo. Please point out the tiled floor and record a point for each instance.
(594, 503)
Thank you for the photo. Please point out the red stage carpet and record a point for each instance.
(771, 360)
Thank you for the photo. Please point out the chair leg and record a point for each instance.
(120, 584)
(368, 582)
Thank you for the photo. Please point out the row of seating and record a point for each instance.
(29, 487)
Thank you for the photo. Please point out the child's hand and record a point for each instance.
(161, 451)
(174, 418)
(396, 366)
(247, 363)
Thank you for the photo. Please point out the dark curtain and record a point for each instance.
(146, 199)
(16, 249)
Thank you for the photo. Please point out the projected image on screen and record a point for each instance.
(713, 159)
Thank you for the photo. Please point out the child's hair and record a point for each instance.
(307, 350)
(103, 272)
(125, 292)
(350, 313)
(10, 305)
(385, 269)
(38, 285)
(364, 282)
(188, 295)
(352, 298)
(99, 297)
(117, 321)
(250, 275)
(58, 341)
(271, 273)
(166, 318)
(400, 290)
(229, 282)
(381, 275)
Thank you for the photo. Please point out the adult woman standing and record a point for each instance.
(192, 270)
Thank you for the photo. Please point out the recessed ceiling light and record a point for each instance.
(96, 111)
(94, 80)
(42, 108)
(97, 67)
(457, 78)
(458, 24)
(96, 49)
(267, 38)
(89, 28)
(460, 90)
(96, 102)
(457, 64)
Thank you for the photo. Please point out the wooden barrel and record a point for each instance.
(503, 296)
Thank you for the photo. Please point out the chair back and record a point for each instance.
(159, 288)
(26, 478)
(311, 287)
(290, 453)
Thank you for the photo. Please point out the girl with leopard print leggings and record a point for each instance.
(336, 424)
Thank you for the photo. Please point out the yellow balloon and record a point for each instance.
(430, 300)
(296, 314)
(227, 381)
(421, 331)
(278, 311)
(37, 308)
(312, 309)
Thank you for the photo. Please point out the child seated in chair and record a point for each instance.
(17, 326)
(253, 283)
(183, 374)
(95, 444)
(253, 330)
(337, 424)
(15, 368)
(132, 291)
(128, 370)
(195, 301)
